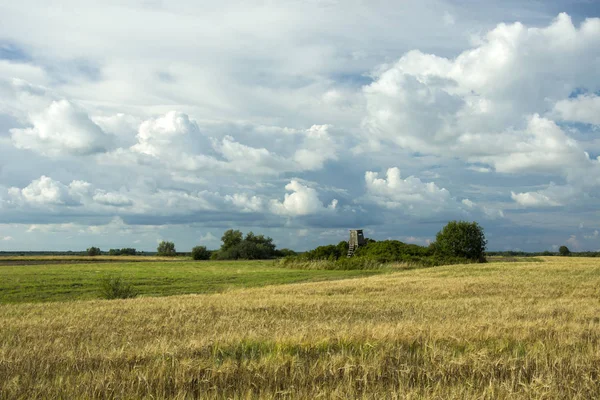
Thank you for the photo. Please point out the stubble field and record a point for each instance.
(498, 330)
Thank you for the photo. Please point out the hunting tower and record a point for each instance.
(356, 239)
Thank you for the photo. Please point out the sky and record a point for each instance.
(124, 123)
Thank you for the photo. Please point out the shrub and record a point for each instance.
(252, 247)
(564, 251)
(93, 251)
(200, 253)
(461, 239)
(392, 250)
(166, 249)
(116, 288)
(329, 252)
(285, 253)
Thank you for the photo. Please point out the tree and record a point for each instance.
(564, 251)
(93, 251)
(166, 249)
(461, 239)
(200, 253)
(230, 239)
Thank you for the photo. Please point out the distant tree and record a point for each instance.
(93, 251)
(285, 253)
(166, 249)
(564, 251)
(200, 253)
(128, 251)
(461, 239)
(231, 238)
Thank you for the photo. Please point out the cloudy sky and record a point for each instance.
(123, 123)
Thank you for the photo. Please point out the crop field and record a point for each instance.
(35, 279)
(481, 331)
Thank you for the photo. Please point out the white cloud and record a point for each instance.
(245, 203)
(62, 129)
(318, 147)
(112, 199)
(43, 192)
(584, 108)
(6, 238)
(157, 136)
(411, 194)
(533, 199)
(302, 201)
(484, 105)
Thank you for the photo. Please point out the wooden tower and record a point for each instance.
(356, 239)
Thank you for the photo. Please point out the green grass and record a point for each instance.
(61, 282)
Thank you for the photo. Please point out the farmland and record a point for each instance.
(37, 279)
(497, 330)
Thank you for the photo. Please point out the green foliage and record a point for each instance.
(231, 238)
(166, 249)
(116, 288)
(372, 255)
(564, 251)
(285, 253)
(329, 252)
(461, 239)
(93, 251)
(200, 253)
(252, 247)
(392, 251)
(126, 251)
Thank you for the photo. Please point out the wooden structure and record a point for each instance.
(357, 239)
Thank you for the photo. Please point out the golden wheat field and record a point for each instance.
(485, 331)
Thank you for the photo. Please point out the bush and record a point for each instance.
(116, 288)
(461, 239)
(252, 247)
(285, 253)
(329, 252)
(564, 251)
(200, 253)
(93, 251)
(392, 250)
(166, 249)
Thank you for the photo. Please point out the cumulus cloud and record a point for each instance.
(62, 129)
(584, 108)
(112, 199)
(47, 192)
(157, 136)
(318, 147)
(44, 191)
(416, 198)
(486, 105)
(302, 201)
(245, 203)
(410, 194)
(533, 199)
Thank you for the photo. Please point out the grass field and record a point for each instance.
(481, 331)
(56, 281)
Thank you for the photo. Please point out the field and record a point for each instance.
(498, 330)
(35, 279)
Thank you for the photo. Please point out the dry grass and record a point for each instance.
(514, 330)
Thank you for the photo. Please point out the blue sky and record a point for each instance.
(130, 122)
